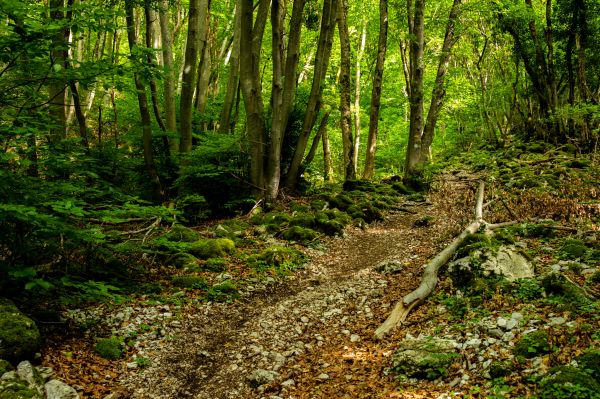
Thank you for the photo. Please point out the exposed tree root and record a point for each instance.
(430, 273)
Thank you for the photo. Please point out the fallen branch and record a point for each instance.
(148, 228)
(430, 273)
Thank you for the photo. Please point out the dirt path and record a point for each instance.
(308, 336)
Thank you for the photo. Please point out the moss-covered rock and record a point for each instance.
(278, 256)
(19, 335)
(567, 382)
(533, 344)
(359, 185)
(302, 220)
(424, 221)
(590, 362)
(215, 265)
(222, 292)
(183, 259)
(425, 358)
(212, 248)
(300, 234)
(341, 202)
(331, 227)
(501, 368)
(17, 389)
(181, 233)
(318, 205)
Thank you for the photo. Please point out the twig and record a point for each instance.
(156, 221)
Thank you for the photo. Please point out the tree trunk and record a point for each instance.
(413, 150)
(225, 122)
(315, 143)
(196, 17)
(323, 53)
(56, 88)
(359, 56)
(376, 91)
(157, 192)
(250, 46)
(153, 64)
(344, 84)
(169, 76)
(327, 162)
(204, 68)
(439, 91)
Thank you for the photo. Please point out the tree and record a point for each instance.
(376, 91)
(344, 84)
(169, 76)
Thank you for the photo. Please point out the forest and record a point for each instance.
(299, 199)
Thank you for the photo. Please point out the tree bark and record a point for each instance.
(157, 191)
(413, 151)
(197, 14)
(323, 53)
(169, 77)
(315, 143)
(250, 45)
(359, 55)
(376, 91)
(225, 121)
(327, 162)
(344, 84)
(152, 63)
(204, 67)
(56, 88)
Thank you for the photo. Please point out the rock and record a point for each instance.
(474, 342)
(323, 376)
(262, 377)
(354, 338)
(501, 322)
(424, 357)
(511, 324)
(516, 316)
(56, 389)
(19, 336)
(389, 267)
(508, 262)
(288, 383)
(27, 373)
(304, 319)
(557, 321)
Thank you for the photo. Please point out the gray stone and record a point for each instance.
(19, 336)
(473, 342)
(262, 377)
(508, 262)
(501, 322)
(557, 321)
(424, 357)
(389, 267)
(511, 324)
(56, 389)
(27, 373)
(354, 338)
(516, 316)
(288, 383)
(323, 376)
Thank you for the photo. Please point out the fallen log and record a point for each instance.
(430, 274)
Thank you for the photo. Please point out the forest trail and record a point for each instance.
(309, 336)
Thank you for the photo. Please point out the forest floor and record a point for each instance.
(310, 334)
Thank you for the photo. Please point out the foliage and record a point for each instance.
(189, 282)
(222, 292)
(568, 382)
(533, 344)
(110, 348)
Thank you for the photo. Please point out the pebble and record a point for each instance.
(354, 338)
(323, 376)
(304, 319)
(557, 321)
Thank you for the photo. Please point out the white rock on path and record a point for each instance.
(56, 389)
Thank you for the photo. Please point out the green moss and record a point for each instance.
(5, 366)
(572, 249)
(189, 282)
(215, 264)
(341, 202)
(534, 344)
(298, 207)
(401, 188)
(359, 185)
(279, 257)
(318, 205)
(302, 220)
(212, 248)
(183, 259)
(590, 362)
(222, 292)
(578, 163)
(16, 389)
(181, 233)
(473, 242)
(19, 335)
(300, 234)
(501, 368)
(331, 228)
(342, 217)
(569, 383)
(110, 348)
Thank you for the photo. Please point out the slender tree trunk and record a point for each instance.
(346, 120)
(437, 98)
(323, 53)
(196, 16)
(327, 162)
(315, 143)
(204, 67)
(376, 91)
(413, 151)
(359, 56)
(225, 123)
(152, 63)
(56, 88)
(144, 111)
(250, 45)
(169, 77)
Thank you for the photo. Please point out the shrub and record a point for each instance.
(189, 282)
(572, 249)
(222, 292)
(215, 264)
(533, 344)
(569, 383)
(280, 257)
(110, 348)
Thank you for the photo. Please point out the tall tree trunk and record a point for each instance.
(416, 31)
(250, 46)
(359, 55)
(327, 162)
(346, 120)
(169, 76)
(56, 88)
(284, 86)
(157, 192)
(204, 67)
(437, 98)
(196, 16)
(225, 121)
(153, 64)
(376, 91)
(323, 53)
(316, 141)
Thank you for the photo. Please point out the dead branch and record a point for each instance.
(430, 274)
(148, 228)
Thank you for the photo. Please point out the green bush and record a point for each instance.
(222, 292)
(573, 249)
(215, 264)
(189, 282)
(533, 344)
(110, 348)
(567, 382)
(279, 257)
(590, 362)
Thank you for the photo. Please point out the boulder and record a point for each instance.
(389, 267)
(262, 377)
(424, 357)
(19, 336)
(56, 389)
(508, 262)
